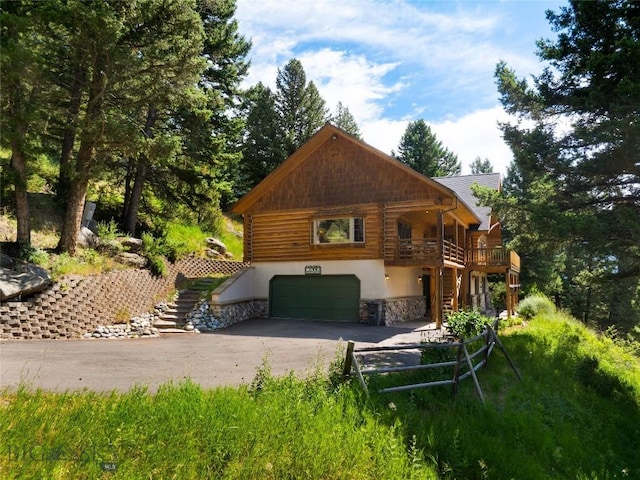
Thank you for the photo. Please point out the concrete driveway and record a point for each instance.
(226, 357)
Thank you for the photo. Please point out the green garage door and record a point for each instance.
(322, 297)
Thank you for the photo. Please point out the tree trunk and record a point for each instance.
(90, 136)
(127, 190)
(75, 200)
(22, 200)
(69, 136)
(134, 199)
(73, 217)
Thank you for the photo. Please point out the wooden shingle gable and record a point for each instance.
(333, 169)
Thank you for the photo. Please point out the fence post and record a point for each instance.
(346, 371)
(473, 372)
(456, 371)
(501, 347)
(487, 340)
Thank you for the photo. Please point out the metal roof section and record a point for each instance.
(461, 185)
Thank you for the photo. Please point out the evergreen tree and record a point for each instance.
(21, 110)
(263, 148)
(197, 148)
(124, 93)
(301, 109)
(590, 171)
(277, 124)
(343, 119)
(421, 150)
(481, 166)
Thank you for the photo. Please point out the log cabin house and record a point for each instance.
(341, 231)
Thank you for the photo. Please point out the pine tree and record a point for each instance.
(23, 90)
(589, 170)
(277, 124)
(343, 119)
(299, 105)
(481, 166)
(124, 92)
(421, 150)
(263, 148)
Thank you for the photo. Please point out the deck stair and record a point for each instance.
(174, 318)
(447, 303)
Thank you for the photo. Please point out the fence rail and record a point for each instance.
(464, 359)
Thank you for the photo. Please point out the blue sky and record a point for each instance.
(392, 62)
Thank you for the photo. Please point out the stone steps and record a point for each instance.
(75, 305)
(173, 319)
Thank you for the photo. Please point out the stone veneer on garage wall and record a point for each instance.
(76, 305)
(400, 310)
(239, 311)
(397, 310)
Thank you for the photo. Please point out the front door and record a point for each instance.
(426, 292)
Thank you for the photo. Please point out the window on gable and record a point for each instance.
(338, 230)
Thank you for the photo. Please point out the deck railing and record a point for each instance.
(415, 251)
(453, 253)
(420, 250)
(494, 257)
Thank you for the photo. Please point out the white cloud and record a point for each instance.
(350, 79)
(476, 135)
(473, 135)
(451, 42)
(384, 134)
(394, 62)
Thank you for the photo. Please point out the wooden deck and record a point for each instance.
(426, 252)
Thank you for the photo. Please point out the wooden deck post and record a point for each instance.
(455, 305)
(439, 290)
(508, 298)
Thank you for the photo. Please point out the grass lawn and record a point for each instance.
(575, 415)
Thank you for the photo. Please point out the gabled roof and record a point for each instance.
(329, 133)
(461, 185)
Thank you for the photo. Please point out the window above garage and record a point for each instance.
(338, 230)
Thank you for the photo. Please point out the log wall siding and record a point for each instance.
(340, 172)
(287, 236)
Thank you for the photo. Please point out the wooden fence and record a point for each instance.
(463, 366)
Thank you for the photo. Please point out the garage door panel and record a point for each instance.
(324, 297)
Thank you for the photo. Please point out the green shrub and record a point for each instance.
(152, 248)
(175, 250)
(34, 255)
(498, 291)
(44, 172)
(148, 243)
(534, 305)
(467, 323)
(157, 265)
(181, 240)
(108, 231)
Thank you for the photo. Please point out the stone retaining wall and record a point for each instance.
(76, 304)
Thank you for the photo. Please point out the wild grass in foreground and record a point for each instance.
(575, 415)
(278, 428)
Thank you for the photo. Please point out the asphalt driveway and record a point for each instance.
(226, 357)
